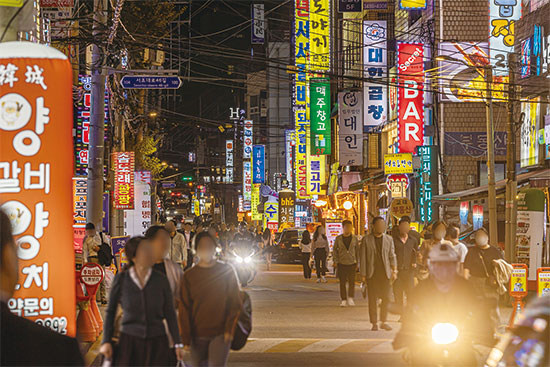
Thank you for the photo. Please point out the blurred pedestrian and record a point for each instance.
(436, 232)
(91, 247)
(188, 235)
(23, 342)
(178, 245)
(345, 255)
(146, 301)
(267, 243)
(320, 249)
(210, 306)
(452, 235)
(378, 266)
(406, 247)
(305, 248)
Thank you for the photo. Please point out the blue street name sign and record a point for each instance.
(150, 82)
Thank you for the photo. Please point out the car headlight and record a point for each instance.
(444, 333)
(238, 259)
(248, 259)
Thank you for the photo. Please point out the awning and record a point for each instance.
(481, 191)
(358, 186)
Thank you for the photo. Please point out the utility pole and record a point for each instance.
(511, 180)
(96, 149)
(491, 192)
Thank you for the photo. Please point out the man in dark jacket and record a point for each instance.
(22, 342)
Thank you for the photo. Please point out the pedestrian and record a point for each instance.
(406, 247)
(378, 266)
(91, 246)
(210, 306)
(267, 243)
(22, 341)
(305, 248)
(452, 235)
(188, 235)
(345, 254)
(479, 269)
(320, 250)
(147, 303)
(178, 245)
(437, 232)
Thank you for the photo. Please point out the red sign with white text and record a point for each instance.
(410, 73)
(36, 161)
(123, 194)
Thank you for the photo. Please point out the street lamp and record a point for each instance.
(347, 205)
(486, 72)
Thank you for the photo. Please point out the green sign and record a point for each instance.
(320, 116)
(186, 178)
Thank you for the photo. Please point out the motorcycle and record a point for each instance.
(243, 261)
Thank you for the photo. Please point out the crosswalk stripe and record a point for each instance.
(304, 345)
(327, 345)
(291, 346)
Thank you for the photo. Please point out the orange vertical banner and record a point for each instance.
(36, 166)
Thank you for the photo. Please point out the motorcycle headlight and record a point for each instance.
(444, 333)
(218, 250)
(238, 259)
(248, 259)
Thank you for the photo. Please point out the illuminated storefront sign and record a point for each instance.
(258, 164)
(286, 207)
(503, 15)
(350, 128)
(271, 214)
(320, 116)
(398, 163)
(316, 174)
(300, 154)
(229, 163)
(375, 59)
(428, 182)
(255, 202)
(535, 53)
(398, 185)
(123, 194)
(36, 165)
(319, 22)
(247, 185)
(290, 144)
(413, 4)
(410, 61)
(137, 220)
(248, 139)
(529, 152)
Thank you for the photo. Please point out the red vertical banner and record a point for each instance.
(410, 74)
(123, 194)
(36, 165)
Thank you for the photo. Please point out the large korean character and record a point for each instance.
(30, 307)
(36, 274)
(46, 306)
(9, 181)
(16, 306)
(42, 174)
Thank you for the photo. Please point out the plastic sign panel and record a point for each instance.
(36, 161)
(320, 125)
(271, 214)
(350, 6)
(375, 56)
(518, 281)
(410, 71)
(413, 4)
(124, 165)
(503, 15)
(290, 144)
(464, 210)
(350, 130)
(398, 163)
(258, 24)
(477, 216)
(543, 282)
(258, 164)
(529, 150)
(255, 202)
(80, 195)
(137, 221)
(401, 207)
(398, 185)
(300, 154)
(316, 174)
(248, 139)
(287, 201)
(229, 163)
(333, 229)
(247, 185)
(428, 182)
(319, 22)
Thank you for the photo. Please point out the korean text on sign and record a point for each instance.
(124, 180)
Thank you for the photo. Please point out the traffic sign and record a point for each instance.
(168, 184)
(150, 82)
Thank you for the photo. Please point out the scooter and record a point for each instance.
(243, 261)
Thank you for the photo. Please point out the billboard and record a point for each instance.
(255, 202)
(319, 46)
(258, 164)
(316, 175)
(300, 154)
(229, 163)
(529, 152)
(503, 15)
(287, 200)
(290, 144)
(123, 193)
(137, 220)
(410, 106)
(398, 163)
(247, 185)
(36, 161)
(350, 130)
(375, 58)
(248, 139)
(320, 116)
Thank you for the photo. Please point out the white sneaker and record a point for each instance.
(344, 303)
(323, 279)
(318, 280)
(350, 302)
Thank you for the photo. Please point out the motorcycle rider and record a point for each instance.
(443, 296)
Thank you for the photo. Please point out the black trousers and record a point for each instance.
(346, 274)
(320, 256)
(378, 288)
(403, 285)
(305, 264)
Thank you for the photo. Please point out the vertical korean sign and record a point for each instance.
(350, 128)
(375, 60)
(320, 116)
(286, 208)
(258, 164)
(319, 20)
(123, 194)
(247, 185)
(502, 18)
(36, 157)
(290, 144)
(248, 139)
(229, 161)
(258, 25)
(410, 71)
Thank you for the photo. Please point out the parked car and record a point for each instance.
(287, 246)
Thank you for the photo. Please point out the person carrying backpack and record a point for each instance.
(97, 250)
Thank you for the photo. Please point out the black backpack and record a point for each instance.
(104, 255)
(244, 324)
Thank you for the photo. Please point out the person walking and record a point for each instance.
(267, 243)
(436, 234)
(406, 247)
(378, 266)
(452, 235)
(91, 246)
(146, 301)
(188, 234)
(320, 250)
(345, 255)
(178, 246)
(210, 306)
(305, 247)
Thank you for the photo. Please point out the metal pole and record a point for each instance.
(94, 203)
(493, 231)
(511, 182)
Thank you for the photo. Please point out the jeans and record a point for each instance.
(403, 285)
(305, 263)
(209, 352)
(378, 288)
(320, 256)
(346, 274)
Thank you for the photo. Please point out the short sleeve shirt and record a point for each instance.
(474, 258)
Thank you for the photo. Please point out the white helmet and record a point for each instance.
(443, 253)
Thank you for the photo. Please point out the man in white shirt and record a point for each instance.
(452, 235)
(178, 246)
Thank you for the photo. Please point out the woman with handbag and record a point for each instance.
(146, 300)
(320, 250)
(305, 247)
